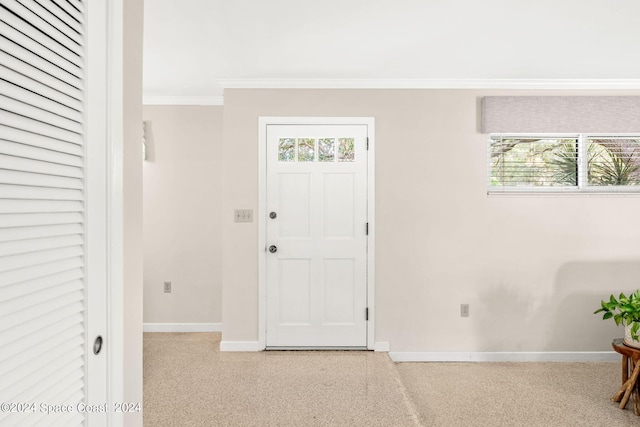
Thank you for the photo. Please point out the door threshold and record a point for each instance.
(328, 348)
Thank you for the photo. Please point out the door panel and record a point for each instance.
(295, 205)
(338, 206)
(316, 280)
(295, 287)
(338, 286)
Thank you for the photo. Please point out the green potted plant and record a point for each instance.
(626, 311)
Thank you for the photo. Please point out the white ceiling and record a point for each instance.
(195, 48)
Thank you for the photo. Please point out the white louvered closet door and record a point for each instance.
(42, 200)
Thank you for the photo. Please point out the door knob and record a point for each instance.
(97, 345)
(273, 249)
(273, 215)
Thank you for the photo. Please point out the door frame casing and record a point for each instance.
(104, 207)
(263, 123)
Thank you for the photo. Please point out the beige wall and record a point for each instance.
(182, 234)
(533, 269)
(132, 206)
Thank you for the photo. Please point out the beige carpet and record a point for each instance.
(188, 382)
(516, 394)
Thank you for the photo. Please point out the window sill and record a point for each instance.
(563, 193)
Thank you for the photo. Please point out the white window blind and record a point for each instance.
(42, 287)
(574, 163)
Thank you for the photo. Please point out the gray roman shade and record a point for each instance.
(561, 114)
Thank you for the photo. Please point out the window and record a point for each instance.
(564, 163)
(306, 150)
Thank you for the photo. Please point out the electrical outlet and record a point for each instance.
(167, 287)
(464, 310)
(243, 215)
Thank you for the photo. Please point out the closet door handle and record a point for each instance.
(97, 345)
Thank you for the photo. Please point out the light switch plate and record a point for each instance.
(243, 215)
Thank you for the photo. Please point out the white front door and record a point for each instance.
(316, 236)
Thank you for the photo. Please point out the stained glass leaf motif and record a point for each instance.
(346, 150)
(326, 149)
(306, 149)
(287, 150)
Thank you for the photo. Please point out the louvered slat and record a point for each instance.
(28, 43)
(77, 4)
(14, 163)
(67, 34)
(40, 114)
(73, 377)
(39, 244)
(45, 295)
(37, 206)
(70, 10)
(63, 419)
(67, 326)
(39, 193)
(66, 393)
(9, 118)
(34, 361)
(14, 357)
(59, 39)
(47, 375)
(42, 198)
(19, 143)
(37, 310)
(20, 233)
(53, 111)
(23, 289)
(53, 83)
(69, 394)
(69, 390)
(12, 277)
(38, 180)
(14, 262)
(40, 354)
(11, 220)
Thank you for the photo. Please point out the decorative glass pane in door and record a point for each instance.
(346, 151)
(306, 150)
(287, 150)
(326, 149)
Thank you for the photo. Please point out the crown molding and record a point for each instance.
(182, 100)
(540, 84)
(430, 83)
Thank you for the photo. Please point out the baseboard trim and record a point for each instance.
(381, 346)
(240, 346)
(548, 356)
(182, 327)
